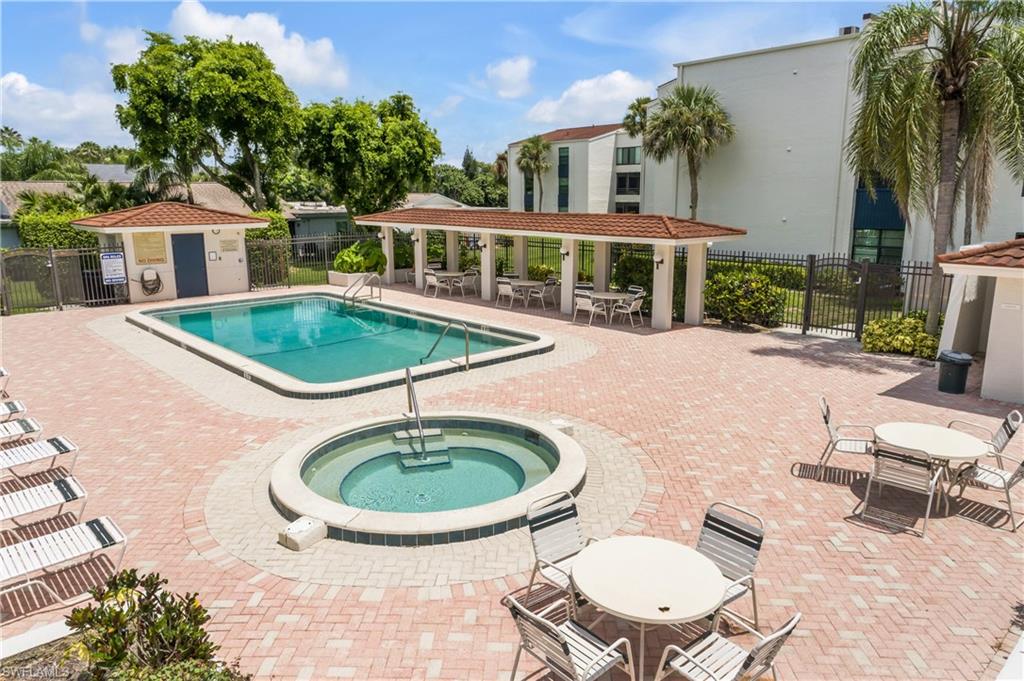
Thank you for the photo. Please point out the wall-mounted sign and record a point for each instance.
(150, 248)
(229, 245)
(112, 268)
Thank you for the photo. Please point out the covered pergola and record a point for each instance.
(664, 233)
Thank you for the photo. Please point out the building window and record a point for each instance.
(627, 183)
(528, 192)
(878, 227)
(563, 179)
(627, 207)
(627, 156)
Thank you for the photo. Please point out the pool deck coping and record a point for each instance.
(289, 386)
(289, 491)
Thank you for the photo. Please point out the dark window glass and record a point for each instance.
(878, 227)
(878, 245)
(563, 179)
(627, 183)
(528, 192)
(627, 156)
(627, 207)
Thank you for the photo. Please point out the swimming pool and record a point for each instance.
(318, 345)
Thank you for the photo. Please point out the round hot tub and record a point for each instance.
(462, 477)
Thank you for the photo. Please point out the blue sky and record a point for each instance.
(482, 74)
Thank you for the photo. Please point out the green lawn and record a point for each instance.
(25, 296)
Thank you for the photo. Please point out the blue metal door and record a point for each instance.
(189, 265)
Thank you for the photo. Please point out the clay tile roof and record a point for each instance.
(1002, 254)
(168, 214)
(624, 226)
(584, 132)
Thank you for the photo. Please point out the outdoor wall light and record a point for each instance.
(658, 261)
(564, 252)
(415, 239)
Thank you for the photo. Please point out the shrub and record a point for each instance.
(190, 670)
(404, 256)
(744, 298)
(469, 259)
(903, 335)
(277, 229)
(540, 272)
(268, 262)
(633, 270)
(792, 277)
(136, 624)
(362, 256)
(53, 228)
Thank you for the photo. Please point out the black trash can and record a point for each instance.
(953, 371)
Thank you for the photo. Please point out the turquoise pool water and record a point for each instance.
(318, 339)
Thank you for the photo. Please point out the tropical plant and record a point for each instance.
(535, 159)
(162, 178)
(10, 139)
(690, 121)
(904, 335)
(39, 202)
(470, 165)
(135, 622)
(189, 670)
(362, 256)
(52, 228)
(744, 298)
(500, 166)
(635, 120)
(941, 88)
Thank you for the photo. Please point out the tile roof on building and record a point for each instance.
(584, 132)
(622, 226)
(1001, 254)
(207, 194)
(167, 214)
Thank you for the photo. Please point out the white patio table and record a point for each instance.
(950, 446)
(526, 284)
(648, 581)
(610, 298)
(449, 274)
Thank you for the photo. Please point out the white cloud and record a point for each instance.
(299, 60)
(447, 106)
(66, 118)
(121, 45)
(592, 100)
(510, 78)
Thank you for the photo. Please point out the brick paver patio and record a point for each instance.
(709, 414)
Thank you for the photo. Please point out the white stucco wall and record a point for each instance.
(1004, 355)
(599, 176)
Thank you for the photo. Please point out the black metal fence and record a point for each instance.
(295, 262)
(33, 279)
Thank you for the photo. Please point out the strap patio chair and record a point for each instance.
(844, 438)
(558, 537)
(430, 280)
(907, 469)
(629, 307)
(568, 649)
(30, 500)
(732, 538)
(23, 564)
(510, 274)
(543, 293)
(584, 286)
(712, 657)
(990, 478)
(33, 451)
(468, 280)
(12, 409)
(5, 378)
(506, 290)
(998, 439)
(634, 289)
(18, 430)
(586, 303)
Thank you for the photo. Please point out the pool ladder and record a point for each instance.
(358, 285)
(414, 409)
(440, 337)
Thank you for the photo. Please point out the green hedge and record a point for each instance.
(269, 263)
(902, 335)
(744, 298)
(53, 228)
(277, 229)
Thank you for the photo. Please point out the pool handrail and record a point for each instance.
(414, 409)
(359, 283)
(465, 331)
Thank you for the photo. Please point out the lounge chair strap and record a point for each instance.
(65, 490)
(25, 425)
(59, 445)
(102, 536)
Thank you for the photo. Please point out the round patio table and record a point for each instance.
(527, 284)
(612, 297)
(449, 274)
(648, 581)
(939, 442)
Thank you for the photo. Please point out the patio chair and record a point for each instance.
(584, 286)
(629, 307)
(542, 294)
(430, 280)
(634, 290)
(510, 274)
(587, 304)
(568, 649)
(506, 290)
(1000, 438)
(712, 657)
(5, 378)
(9, 410)
(990, 478)
(55, 493)
(19, 429)
(23, 564)
(733, 544)
(844, 438)
(468, 280)
(33, 451)
(558, 537)
(435, 265)
(907, 469)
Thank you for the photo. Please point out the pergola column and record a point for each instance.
(520, 260)
(696, 271)
(387, 244)
(419, 254)
(570, 266)
(664, 272)
(451, 248)
(602, 265)
(487, 268)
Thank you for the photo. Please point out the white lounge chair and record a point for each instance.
(23, 564)
(55, 493)
(558, 537)
(587, 304)
(5, 377)
(998, 439)
(712, 657)
(844, 438)
(19, 429)
(629, 307)
(568, 649)
(506, 290)
(9, 410)
(35, 451)
(733, 544)
(907, 469)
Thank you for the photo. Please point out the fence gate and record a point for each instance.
(833, 295)
(46, 278)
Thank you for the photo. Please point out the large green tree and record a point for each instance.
(10, 139)
(535, 159)
(39, 159)
(372, 153)
(690, 121)
(941, 89)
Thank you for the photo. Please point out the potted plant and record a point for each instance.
(357, 262)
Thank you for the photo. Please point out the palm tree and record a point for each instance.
(500, 166)
(941, 93)
(689, 121)
(10, 139)
(534, 159)
(162, 178)
(635, 120)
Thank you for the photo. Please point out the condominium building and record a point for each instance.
(784, 177)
